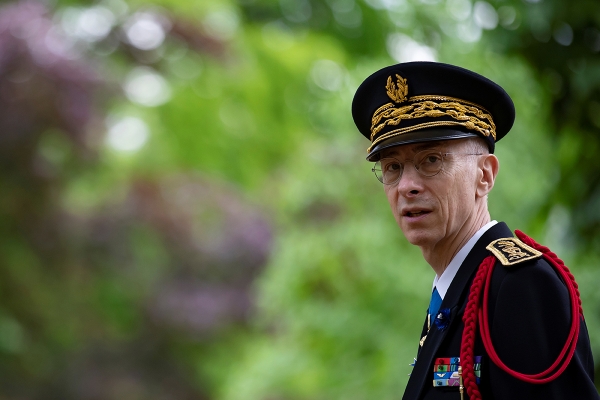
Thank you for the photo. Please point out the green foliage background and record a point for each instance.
(250, 206)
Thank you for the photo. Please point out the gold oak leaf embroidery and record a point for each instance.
(512, 251)
(397, 94)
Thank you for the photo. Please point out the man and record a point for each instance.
(505, 320)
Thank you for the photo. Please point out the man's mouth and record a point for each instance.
(415, 213)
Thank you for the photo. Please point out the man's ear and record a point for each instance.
(488, 165)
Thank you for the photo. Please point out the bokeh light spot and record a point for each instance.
(187, 67)
(459, 10)
(145, 30)
(351, 18)
(485, 15)
(118, 8)
(146, 87)
(327, 75)
(27, 29)
(128, 134)
(592, 39)
(277, 36)
(56, 44)
(297, 11)
(390, 5)
(468, 32)
(563, 34)
(507, 16)
(404, 49)
(95, 23)
(222, 24)
(540, 29)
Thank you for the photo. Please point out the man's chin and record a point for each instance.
(418, 239)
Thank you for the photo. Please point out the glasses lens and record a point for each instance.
(429, 162)
(388, 170)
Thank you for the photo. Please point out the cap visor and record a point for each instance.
(417, 136)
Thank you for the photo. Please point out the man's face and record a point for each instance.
(434, 211)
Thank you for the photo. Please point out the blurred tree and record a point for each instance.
(561, 42)
(118, 292)
(156, 156)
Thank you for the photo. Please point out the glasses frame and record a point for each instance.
(440, 153)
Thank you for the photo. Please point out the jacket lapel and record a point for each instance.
(455, 298)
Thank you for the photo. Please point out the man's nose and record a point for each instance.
(410, 182)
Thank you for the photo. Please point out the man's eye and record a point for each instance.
(392, 167)
(431, 159)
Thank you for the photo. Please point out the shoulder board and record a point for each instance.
(511, 251)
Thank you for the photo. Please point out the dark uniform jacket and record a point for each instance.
(529, 318)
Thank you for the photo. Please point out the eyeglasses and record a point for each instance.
(427, 163)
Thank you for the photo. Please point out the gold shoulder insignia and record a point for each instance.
(511, 251)
(398, 94)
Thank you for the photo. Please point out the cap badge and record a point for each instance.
(397, 94)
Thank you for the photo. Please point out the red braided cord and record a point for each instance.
(553, 258)
(475, 310)
(561, 361)
(467, 345)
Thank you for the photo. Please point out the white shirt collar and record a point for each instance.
(442, 283)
